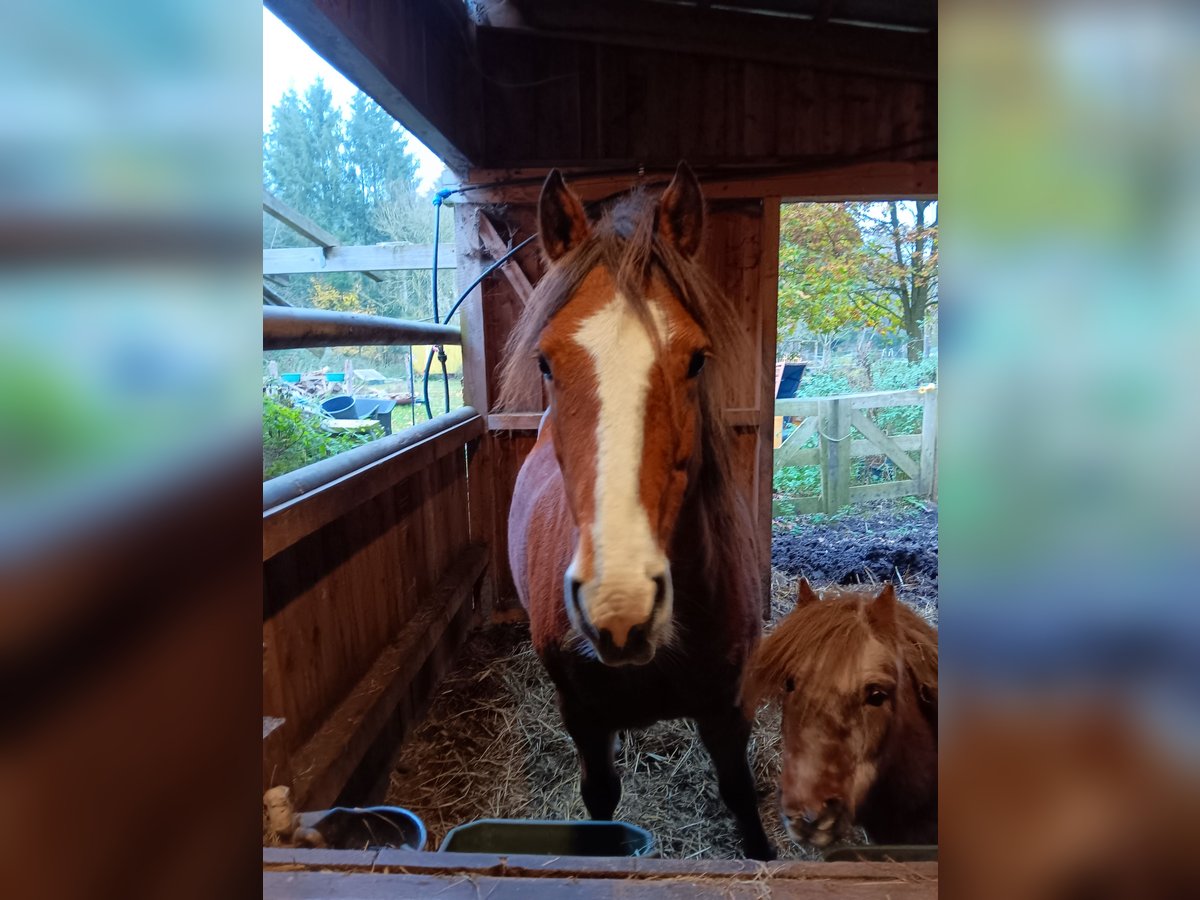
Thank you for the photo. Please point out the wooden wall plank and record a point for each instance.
(327, 761)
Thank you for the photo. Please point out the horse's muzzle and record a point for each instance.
(624, 644)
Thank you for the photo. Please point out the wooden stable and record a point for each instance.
(378, 563)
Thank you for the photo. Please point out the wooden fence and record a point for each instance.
(846, 430)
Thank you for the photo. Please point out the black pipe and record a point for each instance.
(450, 315)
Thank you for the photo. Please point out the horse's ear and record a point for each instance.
(805, 593)
(881, 612)
(681, 212)
(562, 222)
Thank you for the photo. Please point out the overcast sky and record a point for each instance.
(288, 62)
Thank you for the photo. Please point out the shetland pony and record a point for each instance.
(856, 674)
(629, 544)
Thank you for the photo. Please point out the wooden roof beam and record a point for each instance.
(829, 46)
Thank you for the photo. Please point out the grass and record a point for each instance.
(407, 416)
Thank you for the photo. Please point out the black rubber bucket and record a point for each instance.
(340, 407)
(549, 838)
(346, 828)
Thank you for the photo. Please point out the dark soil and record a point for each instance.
(866, 544)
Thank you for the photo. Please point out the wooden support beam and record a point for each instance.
(302, 225)
(835, 450)
(375, 257)
(292, 328)
(497, 248)
(859, 181)
(910, 55)
(297, 221)
(331, 756)
(270, 298)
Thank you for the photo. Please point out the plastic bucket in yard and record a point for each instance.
(291, 377)
(341, 407)
(375, 408)
(549, 838)
(335, 376)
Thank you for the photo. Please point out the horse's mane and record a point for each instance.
(627, 242)
(822, 639)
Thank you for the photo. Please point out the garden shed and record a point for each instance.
(379, 563)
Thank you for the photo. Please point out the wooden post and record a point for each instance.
(928, 485)
(834, 420)
(481, 454)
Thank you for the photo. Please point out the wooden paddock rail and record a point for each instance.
(832, 420)
(289, 328)
(467, 876)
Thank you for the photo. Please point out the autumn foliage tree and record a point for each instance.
(900, 241)
(859, 265)
(821, 268)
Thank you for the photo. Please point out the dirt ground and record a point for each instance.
(868, 543)
(492, 746)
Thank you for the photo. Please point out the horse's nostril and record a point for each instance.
(833, 805)
(660, 591)
(576, 586)
(636, 640)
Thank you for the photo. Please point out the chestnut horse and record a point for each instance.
(857, 676)
(630, 546)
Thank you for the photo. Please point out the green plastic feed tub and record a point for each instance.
(549, 838)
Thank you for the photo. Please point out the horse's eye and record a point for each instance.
(876, 695)
(789, 685)
(696, 364)
(544, 367)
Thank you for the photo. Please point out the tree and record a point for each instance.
(821, 269)
(302, 158)
(354, 176)
(900, 241)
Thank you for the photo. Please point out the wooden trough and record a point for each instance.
(377, 564)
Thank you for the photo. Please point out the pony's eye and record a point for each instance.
(545, 368)
(696, 364)
(789, 685)
(876, 695)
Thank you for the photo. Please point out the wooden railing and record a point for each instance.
(845, 430)
(375, 566)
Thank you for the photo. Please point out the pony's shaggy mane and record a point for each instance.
(819, 641)
(627, 242)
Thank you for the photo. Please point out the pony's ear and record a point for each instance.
(681, 212)
(805, 594)
(562, 222)
(881, 612)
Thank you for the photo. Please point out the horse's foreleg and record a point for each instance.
(599, 783)
(726, 737)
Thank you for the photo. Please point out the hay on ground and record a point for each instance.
(492, 746)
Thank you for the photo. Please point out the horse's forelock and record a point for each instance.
(627, 241)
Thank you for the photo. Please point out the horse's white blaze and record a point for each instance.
(626, 555)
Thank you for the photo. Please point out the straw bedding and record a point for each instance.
(492, 746)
